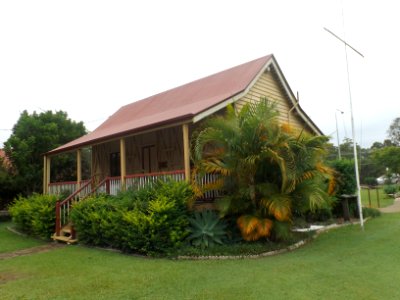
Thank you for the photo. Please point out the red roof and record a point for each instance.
(178, 104)
(4, 159)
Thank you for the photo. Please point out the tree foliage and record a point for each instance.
(388, 157)
(8, 188)
(268, 171)
(394, 132)
(32, 136)
(346, 179)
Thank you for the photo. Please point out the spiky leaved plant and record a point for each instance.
(207, 229)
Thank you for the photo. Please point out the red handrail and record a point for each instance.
(76, 192)
(66, 200)
(105, 180)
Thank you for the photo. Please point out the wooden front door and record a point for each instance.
(149, 159)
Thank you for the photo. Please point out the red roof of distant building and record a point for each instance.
(4, 159)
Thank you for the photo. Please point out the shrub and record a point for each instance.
(390, 189)
(346, 182)
(93, 218)
(150, 220)
(167, 221)
(320, 215)
(35, 214)
(370, 212)
(281, 231)
(207, 229)
(370, 181)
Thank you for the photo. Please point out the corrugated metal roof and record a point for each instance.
(178, 104)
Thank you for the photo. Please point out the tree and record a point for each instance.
(377, 145)
(394, 132)
(388, 157)
(267, 170)
(32, 136)
(346, 179)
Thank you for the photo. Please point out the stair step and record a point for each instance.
(65, 239)
(66, 230)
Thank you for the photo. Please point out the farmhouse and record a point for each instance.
(150, 139)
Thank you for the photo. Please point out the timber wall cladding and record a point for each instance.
(167, 155)
(268, 86)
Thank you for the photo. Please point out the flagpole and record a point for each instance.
(359, 205)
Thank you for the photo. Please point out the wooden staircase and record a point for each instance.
(67, 235)
(64, 231)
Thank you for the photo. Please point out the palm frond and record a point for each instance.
(264, 227)
(278, 205)
(253, 228)
(248, 227)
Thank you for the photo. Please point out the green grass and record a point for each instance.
(384, 200)
(346, 263)
(10, 241)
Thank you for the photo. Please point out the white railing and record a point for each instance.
(112, 185)
(115, 185)
(57, 188)
(204, 181)
(138, 181)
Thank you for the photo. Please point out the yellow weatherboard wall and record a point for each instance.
(268, 86)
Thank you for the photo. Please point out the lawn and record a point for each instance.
(10, 241)
(345, 263)
(384, 200)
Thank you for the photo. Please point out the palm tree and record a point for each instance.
(264, 167)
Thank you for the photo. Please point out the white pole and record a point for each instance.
(337, 134)
(353, 132)
(359, 205)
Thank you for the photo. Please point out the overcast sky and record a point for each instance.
(88, 58)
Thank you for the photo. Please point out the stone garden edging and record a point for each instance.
(270, 253)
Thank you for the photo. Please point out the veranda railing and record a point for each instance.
(112, 185)
(70, 187)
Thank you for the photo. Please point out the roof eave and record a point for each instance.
(293, 99)
(188, 118)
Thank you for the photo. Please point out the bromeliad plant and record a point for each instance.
(268, 171)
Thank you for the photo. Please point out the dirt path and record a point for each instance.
(33, 250)
(392, 208)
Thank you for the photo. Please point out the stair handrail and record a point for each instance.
(66, 200)
(101, 183)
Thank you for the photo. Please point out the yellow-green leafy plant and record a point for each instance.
(267, 170)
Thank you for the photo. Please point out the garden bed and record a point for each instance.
(259, 250)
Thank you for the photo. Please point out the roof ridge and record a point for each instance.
(174, 105)
(200, 79)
